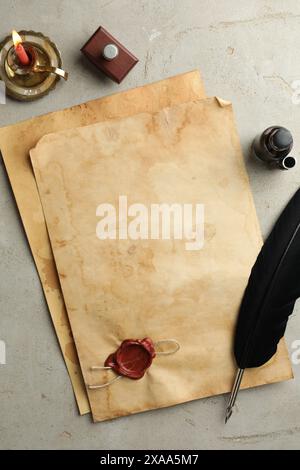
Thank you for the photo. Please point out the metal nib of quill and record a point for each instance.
(234, 392)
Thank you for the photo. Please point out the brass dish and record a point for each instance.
(37, 79)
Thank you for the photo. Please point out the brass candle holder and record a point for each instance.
(39, 77)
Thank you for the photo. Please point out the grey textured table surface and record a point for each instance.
(247, 53)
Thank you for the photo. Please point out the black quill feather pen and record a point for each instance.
(270, 296)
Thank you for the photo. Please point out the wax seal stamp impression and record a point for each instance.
(133, 358)
(109, 55)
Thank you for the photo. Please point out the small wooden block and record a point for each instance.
(117, 68)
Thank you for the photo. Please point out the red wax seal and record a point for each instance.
(132, 358)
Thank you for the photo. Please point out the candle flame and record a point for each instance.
(16, 38)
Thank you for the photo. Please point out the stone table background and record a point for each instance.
(248, 53)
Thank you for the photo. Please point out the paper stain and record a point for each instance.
(50, 278)
(64, 321)
(131, 250)
(127, 270)
(70, 353)
(146, 260)
(61, 243)
(209, 232)
(191, 291)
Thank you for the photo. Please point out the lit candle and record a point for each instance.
(19, 49)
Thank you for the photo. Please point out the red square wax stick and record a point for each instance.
(109, 55)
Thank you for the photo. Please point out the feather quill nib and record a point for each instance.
(234, 392)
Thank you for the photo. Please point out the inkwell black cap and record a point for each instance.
(282, 139)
